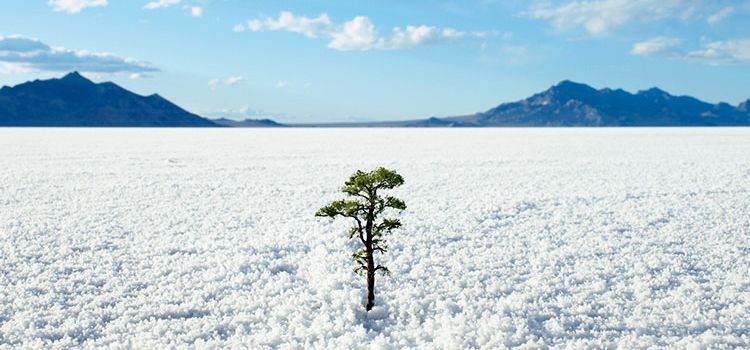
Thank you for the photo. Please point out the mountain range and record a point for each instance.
(574, 104)
(76, 101)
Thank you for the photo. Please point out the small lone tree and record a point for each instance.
(365, 205)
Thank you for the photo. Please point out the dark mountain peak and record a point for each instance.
(568, 84)
(654, 92)
(567, 89)
(75, 77)
(571, 86)
(74, 100)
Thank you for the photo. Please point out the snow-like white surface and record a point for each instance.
(577, 238)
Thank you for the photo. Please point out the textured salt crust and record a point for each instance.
(560, 238)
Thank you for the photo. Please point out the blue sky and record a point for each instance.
(314, 60)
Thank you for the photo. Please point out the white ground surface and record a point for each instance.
(560, 238)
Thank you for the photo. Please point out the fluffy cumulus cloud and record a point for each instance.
(359, 33)
(600, 16)
(712, 53)
(28, 54)
(213, 84)
(157, 4)
(74, 6)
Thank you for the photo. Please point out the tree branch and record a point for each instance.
(383, 268)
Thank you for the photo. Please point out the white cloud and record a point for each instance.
(712, 53)
(213, 84)
(13, 68)
(600, 16)
(157, 4)
(723, 52)
(661, 45)
(721, 15)
(287, 21)
(359, 33)
(281, 84)
(32, 54)
(196, 11)
(422, 35)
(74, 6)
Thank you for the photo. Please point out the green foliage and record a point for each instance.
(364, 205)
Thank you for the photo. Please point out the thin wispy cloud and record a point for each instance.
(74, 6)
(13, 68)
(712, 53)
(505, 53)
(33, 55)
(658, 46)
(359, 33)
(213, 84)
(287, 21)
(721, 15)
(157, 4)
(601, 16)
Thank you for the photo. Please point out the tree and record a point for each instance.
(365, 205)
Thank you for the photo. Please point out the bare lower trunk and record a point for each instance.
(370, 259)
(370, 282)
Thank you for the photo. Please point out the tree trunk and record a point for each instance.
(370, 280)
(370, 255)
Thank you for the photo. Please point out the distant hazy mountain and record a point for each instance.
(574, 104)
(248, 123)
(76, 101)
